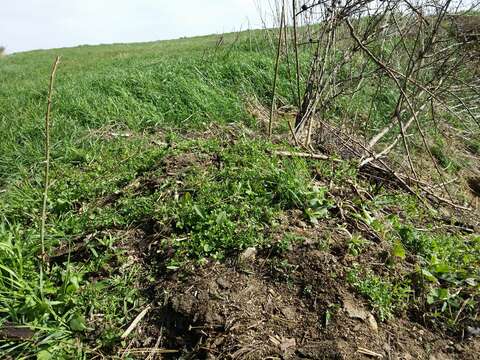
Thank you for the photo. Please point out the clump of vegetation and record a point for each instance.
(222, 206)
(236, 205)
(356, 244)
(448, 263)
(473, 146)
(57, 311)
(64, 304)
(445, 161)
(385, 296)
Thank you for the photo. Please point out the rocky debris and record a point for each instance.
(248, 254)
(355, 310)
(473, 331)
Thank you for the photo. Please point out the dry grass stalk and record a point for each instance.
(277, 62)
(136, 321)
(46, 178)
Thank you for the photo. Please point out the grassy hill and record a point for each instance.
(182, 83)
(167, 199)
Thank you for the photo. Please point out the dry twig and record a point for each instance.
(136, 321)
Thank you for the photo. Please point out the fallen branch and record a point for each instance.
(136, 321)
(292, 132)
(369, 353)
(156, 347)
(153, 351)
(9, 331)
(306, 155)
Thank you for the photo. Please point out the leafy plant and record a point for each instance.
(233, 208)
(384, 296)
(318, 205)
(446, 162)
(356, 244)
(448, 264)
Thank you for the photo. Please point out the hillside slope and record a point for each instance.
(169, 206)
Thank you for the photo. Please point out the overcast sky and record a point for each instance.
(42, 24)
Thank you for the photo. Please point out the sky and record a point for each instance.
(44, 24)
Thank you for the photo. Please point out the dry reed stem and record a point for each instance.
(277, 63)
(47, 154)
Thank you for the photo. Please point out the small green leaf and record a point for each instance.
(442, 294)
(430, 299)
(78, 323)
(328, 317)
(429, 276)
(399, 250)
(367, 217)
(75, 281)
(44, 355)
(197, 211)
(94, 252)
(221, 217)
(442, 268)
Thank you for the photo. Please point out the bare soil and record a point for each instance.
(292, 306)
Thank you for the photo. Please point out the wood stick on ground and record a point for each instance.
(277, 62)
(384, 166)
(369, 353)
(305, 155)
(136, 321)
(292, 132)
(308, 139)
(148, 350)
(156, 347)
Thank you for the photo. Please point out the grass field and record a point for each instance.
(159, 165)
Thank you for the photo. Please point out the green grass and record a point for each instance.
(185, 84)
(232, 207)
(428, 271)
(473, 146)
(386, 296)
(445, 162)
(219, 209)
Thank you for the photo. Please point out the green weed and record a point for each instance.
(449, 266)
(236, 206)
(356, 244)
(446, 162)
(473, 146)
(385, 296)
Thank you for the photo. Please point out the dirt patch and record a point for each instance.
(173, 168)
(298, 306)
